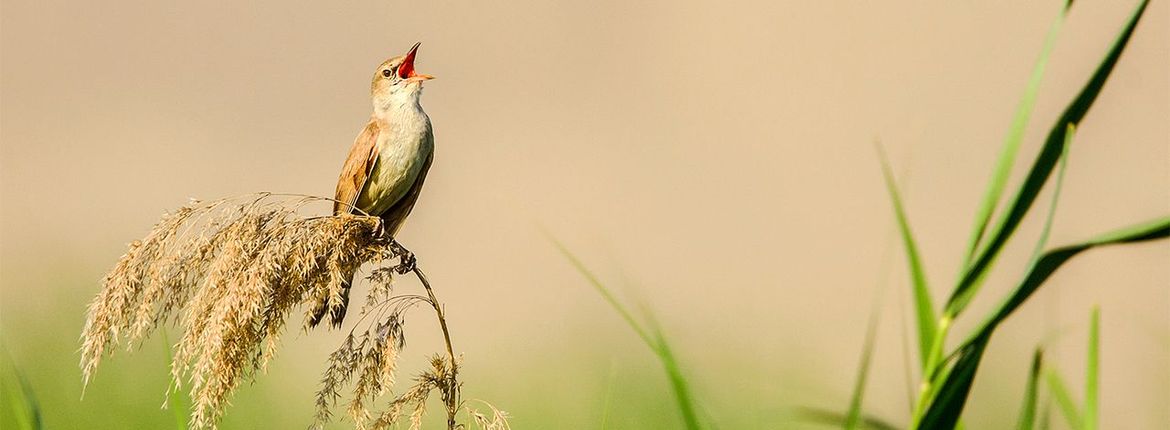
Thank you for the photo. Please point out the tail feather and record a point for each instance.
(338, 312)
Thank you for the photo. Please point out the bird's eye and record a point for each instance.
(387, 73)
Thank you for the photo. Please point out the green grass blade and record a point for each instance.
(678, 382)
(1042, 268)
(1041, 169)
(605, 293)
(1091, 373)
(1068, 407)
(1028, 412)
(923, 304)
(1015, 136)
(652, 336)
(853, 417)
(32, 406)
(946, 406)
(1042, 241)
(19, 398)
(936, 344)
(1027, 419)
(15, 405)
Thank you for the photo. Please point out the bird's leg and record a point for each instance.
(380, 228)
(406, 260)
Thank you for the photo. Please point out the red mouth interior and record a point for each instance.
(406, 70)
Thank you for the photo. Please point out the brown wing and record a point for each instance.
(397, 214)
(356, 170)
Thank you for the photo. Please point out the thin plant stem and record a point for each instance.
(451, 397)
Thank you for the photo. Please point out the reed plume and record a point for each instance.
(230, 273)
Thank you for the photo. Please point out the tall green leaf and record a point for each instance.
(923, 304)
(605, 293)
(1044, 267)
(674, 373)
(652, 336)
(939, 372)
(1068, 406)
(1045, 162)
(1042, 241)
(18, 396)
(1091, 370)
(853, 418)
(1015, 136)
(1028, 411)
(947, 405)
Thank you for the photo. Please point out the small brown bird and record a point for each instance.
(388, 161)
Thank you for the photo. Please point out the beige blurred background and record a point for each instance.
(712, 158)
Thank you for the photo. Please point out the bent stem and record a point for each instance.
(451, 395)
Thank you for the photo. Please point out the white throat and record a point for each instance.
(400, 104)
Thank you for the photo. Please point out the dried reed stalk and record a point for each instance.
(231, 271)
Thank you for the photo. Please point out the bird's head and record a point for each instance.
(396, 83)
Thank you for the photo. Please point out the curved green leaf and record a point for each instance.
(17, 395)
(1028, 411)
(923, 304)
(1091, 370)
(1040, 171)
(947, 405)
(651, 334)
(1064, 400)
(1015, 136)
(854, 417)
(1046, 265)
(939, 371)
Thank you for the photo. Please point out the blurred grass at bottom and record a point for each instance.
(557, 381)
(608, 380)
(40, 341)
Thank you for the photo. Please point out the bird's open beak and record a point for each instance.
(406, 70)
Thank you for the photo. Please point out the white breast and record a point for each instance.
(403, 149)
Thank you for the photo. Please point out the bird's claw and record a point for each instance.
(406, 259)
(380, 228)
(406, 263)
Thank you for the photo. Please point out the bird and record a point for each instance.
(388, 162)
